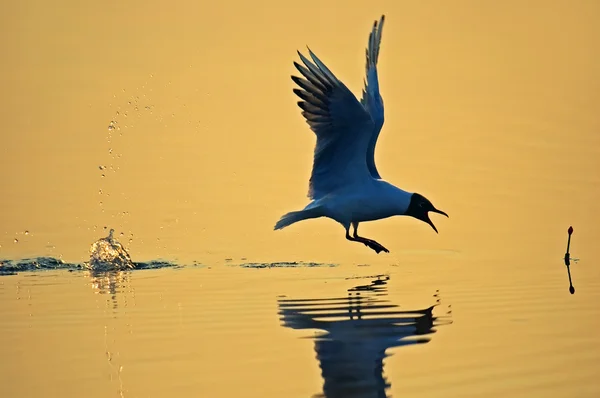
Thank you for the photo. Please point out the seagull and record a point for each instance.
(345, 184)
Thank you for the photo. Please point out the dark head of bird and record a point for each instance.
(420, 207)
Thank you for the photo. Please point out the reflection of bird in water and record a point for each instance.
(108, 254)
(358, 331)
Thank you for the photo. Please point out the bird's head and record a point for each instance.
(420, 207)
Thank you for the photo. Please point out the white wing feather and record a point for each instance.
(342, 125)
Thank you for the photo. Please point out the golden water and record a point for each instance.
(491, 112)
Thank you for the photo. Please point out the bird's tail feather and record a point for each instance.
(295, 216)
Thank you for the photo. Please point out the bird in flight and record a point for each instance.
(345, 184)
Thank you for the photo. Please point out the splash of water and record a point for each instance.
(108, 254)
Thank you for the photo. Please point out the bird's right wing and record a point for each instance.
(371, 99)
(342, 126)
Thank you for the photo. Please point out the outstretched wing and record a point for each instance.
(371, 99)
(342, 126)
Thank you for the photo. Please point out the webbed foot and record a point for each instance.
(375, 246)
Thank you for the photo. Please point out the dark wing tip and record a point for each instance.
(298, 66)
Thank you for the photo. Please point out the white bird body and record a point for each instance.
(374, 199)
(345, 184)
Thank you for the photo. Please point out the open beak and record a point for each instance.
(428, 221)
(440, 212)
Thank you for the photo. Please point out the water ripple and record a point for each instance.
(12, 267)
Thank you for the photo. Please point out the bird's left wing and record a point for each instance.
(342, 126)
(371, 99)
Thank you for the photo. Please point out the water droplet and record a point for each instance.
(102, 167)
(105, 227)
(16, 240)
(121, 234)
(110, 150)
(103, 175)
(100, 192)
(26, 232)
(111, 125)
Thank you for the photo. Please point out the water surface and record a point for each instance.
(177, 127)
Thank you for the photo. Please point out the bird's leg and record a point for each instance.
(367, 242)
(373, 244)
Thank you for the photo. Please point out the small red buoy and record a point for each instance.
(568, 261)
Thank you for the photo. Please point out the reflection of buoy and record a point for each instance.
(568, 261)
(108, 254)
